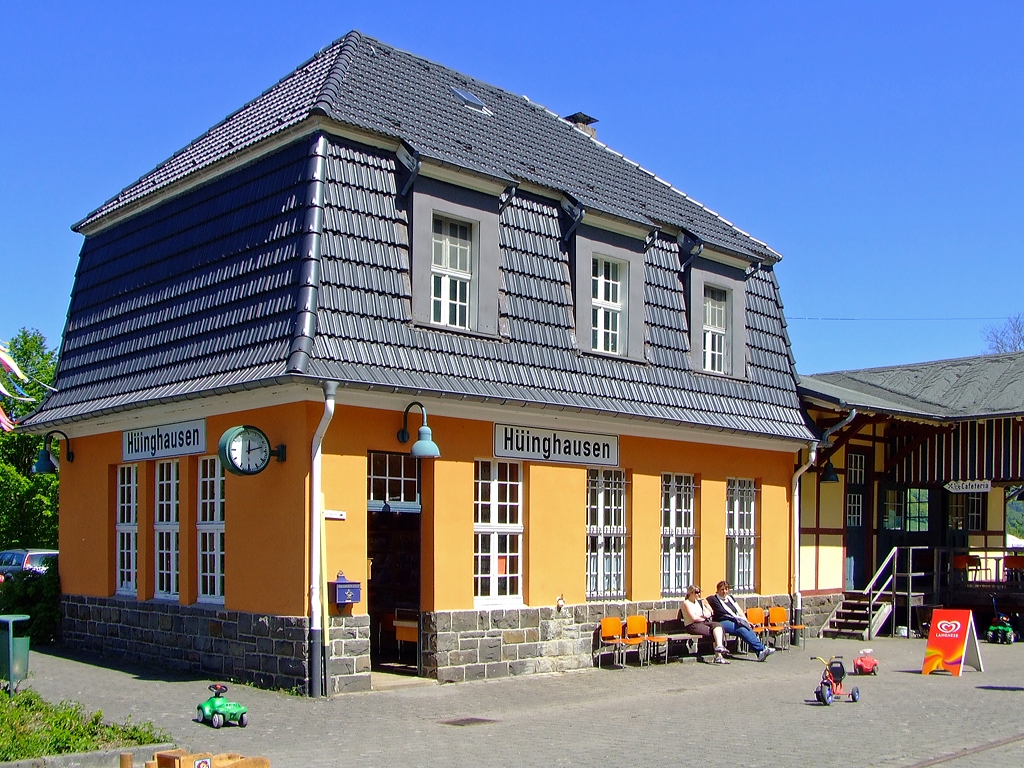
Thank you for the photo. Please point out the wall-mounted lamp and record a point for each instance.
(828, 474)
(424, 447)
(46, 464)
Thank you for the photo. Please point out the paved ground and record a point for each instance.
(685, 713)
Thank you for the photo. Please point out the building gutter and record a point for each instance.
(316, 523)
(812, 456)
(309, 268)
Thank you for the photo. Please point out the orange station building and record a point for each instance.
(378, 244)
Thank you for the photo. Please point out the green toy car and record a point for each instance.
(217, 710)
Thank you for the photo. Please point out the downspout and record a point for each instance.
(811, 458)
(316, 521)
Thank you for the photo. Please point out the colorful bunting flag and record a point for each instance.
(8, 362)
(5, 423)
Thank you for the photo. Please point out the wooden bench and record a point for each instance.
(666, 622)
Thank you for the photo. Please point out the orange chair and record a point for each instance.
(611, 635)
(964, 564)
(756, 618)
(641, 626)
(1013, 568)
(778, 625)
(635, 637)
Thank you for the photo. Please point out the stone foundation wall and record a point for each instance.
(482, 644)
(817, 609)
(348, 666)
(268, 651)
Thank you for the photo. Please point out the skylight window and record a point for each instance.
(471, 101)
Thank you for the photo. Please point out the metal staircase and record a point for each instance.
(863, 613)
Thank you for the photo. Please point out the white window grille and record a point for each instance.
(854, 510)
(715, 329)
(965, 512)
(392, 483)
(497, 532)
(451, 273)
(608, 305)
(606, 533)
(210, 530)
(677, 534)
(740, 533)
(855, 469)
(127, 528)
(165, 529)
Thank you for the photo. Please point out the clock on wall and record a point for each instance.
(245, 450)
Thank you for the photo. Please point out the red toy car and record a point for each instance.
(865, 664)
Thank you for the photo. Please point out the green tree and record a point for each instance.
(28, 503)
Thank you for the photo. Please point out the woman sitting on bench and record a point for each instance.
(697, 617)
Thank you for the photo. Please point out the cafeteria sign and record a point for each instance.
(952, 643)
(164, 441)
(968, 486)
(533, 444)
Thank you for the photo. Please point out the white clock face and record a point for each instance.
(249, 451)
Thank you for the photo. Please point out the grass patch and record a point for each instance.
(31, 727)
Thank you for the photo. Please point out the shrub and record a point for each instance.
(38, 595)
(31, 727)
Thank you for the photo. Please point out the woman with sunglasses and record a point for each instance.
(697, 617)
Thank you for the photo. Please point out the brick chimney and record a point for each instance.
(584, 122)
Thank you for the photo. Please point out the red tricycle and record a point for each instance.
(831, 685)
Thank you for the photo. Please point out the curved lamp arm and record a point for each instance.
(45, 464)
(424, 447)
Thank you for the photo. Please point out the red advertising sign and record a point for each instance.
(952, 643)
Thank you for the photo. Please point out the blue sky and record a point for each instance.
(877, 146)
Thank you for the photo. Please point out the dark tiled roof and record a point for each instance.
(203, 292)
(197, 294)
(964, 388)
(365, 333)
(365, 83)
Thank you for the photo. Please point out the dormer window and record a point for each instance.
(716, 309)
(716, 329)
(451, 273)
(608, 273)
(607, 304)
(455, 258)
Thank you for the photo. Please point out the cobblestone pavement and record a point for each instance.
(684, 713)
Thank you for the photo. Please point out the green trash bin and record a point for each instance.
(13, 652)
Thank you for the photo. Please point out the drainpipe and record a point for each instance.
(812, 456)
(316, 517)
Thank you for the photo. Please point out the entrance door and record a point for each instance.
(393, 547)
(858, 517)
(965, 512)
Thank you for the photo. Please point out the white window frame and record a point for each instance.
(127, 529)
(497, 533)
(606, 534)
(712, 270)
(677, 533)
(741, 533)
(717, 352)
(453, 289)
(608, 297)
(210, 531)
(165, 530)
(854, 510)
(392, 482)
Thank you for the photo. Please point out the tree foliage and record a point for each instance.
(1008, 337)
(28, 503)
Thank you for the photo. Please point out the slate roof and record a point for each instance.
(205, 291)
(364, 83)
(986, 386)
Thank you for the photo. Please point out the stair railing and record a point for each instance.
(890, 570)
(874, 590)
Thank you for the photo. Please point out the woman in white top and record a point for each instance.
(696, 614)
